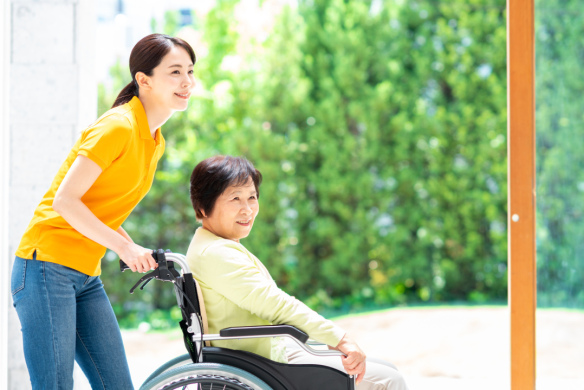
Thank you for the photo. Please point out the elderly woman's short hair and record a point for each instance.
(213, 175)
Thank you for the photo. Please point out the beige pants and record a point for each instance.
(379, 374)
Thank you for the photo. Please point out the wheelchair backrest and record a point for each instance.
(192, 305)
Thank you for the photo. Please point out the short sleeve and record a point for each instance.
(106, 140)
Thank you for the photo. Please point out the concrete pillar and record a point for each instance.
(51, 97)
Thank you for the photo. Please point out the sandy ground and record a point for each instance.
(435, 348)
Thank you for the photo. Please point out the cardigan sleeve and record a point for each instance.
(230, 272)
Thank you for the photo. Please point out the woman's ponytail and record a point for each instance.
(126, 94)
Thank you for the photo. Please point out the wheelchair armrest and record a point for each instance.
(266, 330)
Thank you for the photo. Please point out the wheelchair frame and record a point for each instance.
(207, 367)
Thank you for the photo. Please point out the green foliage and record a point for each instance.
(380, 129)
(560, 182)
(400, 184)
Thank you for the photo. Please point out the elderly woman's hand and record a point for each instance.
(354, 362)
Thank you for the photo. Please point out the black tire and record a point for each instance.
(205, 376)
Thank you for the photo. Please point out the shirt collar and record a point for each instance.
(142, 120)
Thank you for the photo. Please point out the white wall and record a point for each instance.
(51, 96)
(4, 171)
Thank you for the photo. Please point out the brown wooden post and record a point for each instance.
(521, 190)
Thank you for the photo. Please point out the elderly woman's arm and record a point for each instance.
(229, 271)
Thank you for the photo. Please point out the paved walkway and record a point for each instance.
(435, 348)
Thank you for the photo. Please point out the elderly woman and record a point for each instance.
(238, 289)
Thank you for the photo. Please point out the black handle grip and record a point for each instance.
(124, 266)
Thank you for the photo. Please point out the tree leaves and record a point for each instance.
(380, 130)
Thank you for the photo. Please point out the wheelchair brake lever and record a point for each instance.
(146, 278)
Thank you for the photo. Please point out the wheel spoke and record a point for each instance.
(205, 382)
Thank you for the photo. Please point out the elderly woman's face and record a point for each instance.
(234, 212)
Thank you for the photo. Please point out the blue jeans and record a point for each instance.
(66, 316)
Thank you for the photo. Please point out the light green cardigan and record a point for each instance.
(239, 291)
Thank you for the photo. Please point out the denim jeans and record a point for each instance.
(66, 316)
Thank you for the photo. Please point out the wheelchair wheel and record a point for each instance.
(205, 376)
(176, 362)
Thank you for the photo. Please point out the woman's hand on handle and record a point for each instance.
(354, 361)
(139, 259)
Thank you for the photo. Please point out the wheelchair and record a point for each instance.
(205, 367)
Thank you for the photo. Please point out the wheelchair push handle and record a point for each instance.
(165, 270)
(160, 255)
(124, 266)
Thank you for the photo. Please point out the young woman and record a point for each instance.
(58, 295)
(238, 289)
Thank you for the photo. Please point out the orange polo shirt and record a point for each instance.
(121, 144)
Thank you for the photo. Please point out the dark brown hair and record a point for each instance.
(145, 56)
(212, 176)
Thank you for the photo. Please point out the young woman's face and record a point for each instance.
(234, 212)
(172, 80)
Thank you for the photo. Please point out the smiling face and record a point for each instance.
(172, 80)
(234, 212)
